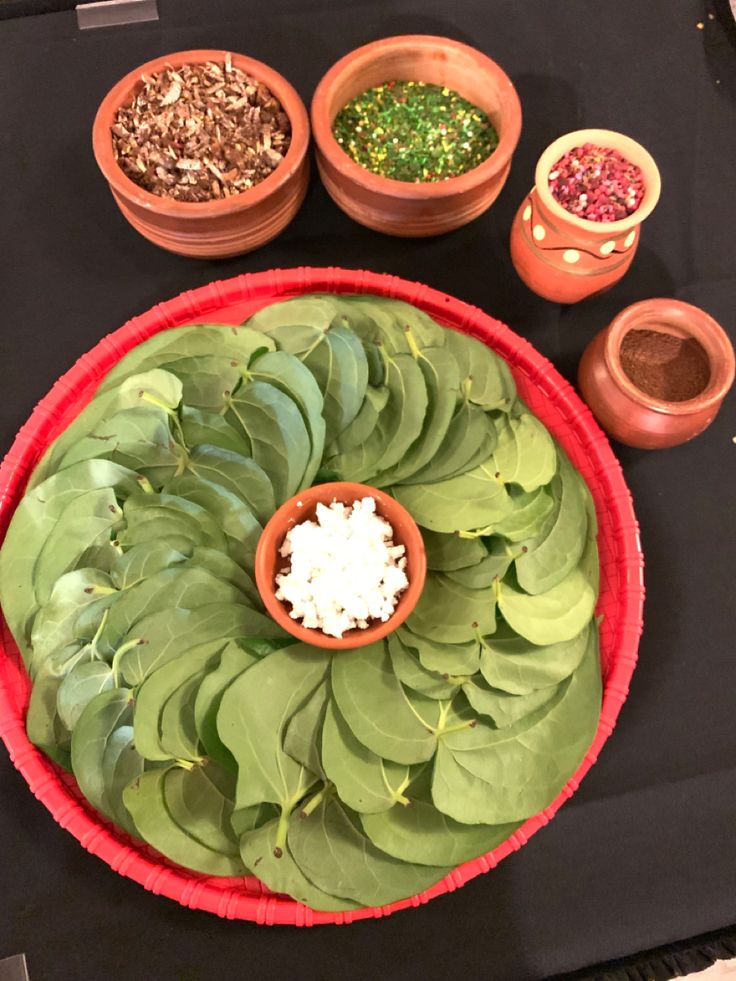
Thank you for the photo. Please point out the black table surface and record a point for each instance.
(645, 853)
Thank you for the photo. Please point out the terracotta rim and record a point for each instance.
(131, 192)
(633, 151)
(328, 145)
(546, 393)
(273, 536)
(683, 318)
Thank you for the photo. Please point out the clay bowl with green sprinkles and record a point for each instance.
(415, 133)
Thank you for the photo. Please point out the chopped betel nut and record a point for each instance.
(200, 132)
(345, 568)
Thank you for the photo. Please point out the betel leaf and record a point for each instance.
(237, 474)
(315, 312)
(450, 613)
(209, 428)
(515, 665)
(234, 660)
(277, 434)
(146, 800)
(87, 520)
(447, 553)
(494, 566)
(486, 376)
(491, 776)
(159, 516)
(303, 733)
(85, 680)
(275, 867)
(399, 423)
(104, 714)
(252, 720)
(362, 425)
(178, 732)
(121, 765)
(470, 440)
(139, 438)
(420, 833)
(55, 623)
(227, 569)
(340, 859)
(376, 708)
(43, 725)
(340, 368)
(528, 515)
(192, 341)
(388, 322)
(589, 562)
(200, 800)
(33, 521)
(287, 374)
(441, 378)
(363, 780)
(143, 561)
(557, 549)
(160, 638)
(501, 707)
(525, 452)
(236, 520)
(452, 659)
(411, 673)
(551, 617)
(207, 380)
(178, 587)
(158, 389)
(251, 818)
(473, 500)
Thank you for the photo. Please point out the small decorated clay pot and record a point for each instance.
(565, 258)
(629, 414)
(401, 207)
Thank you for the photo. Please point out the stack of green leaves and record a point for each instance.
(186, 715)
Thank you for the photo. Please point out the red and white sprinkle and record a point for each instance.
(596, 183)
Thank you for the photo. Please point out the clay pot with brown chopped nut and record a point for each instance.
(205, 152)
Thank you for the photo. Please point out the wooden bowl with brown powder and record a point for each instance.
(657, 375)
(205, 152)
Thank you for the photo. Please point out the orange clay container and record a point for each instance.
(562, 257)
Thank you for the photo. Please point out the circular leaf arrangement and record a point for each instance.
(189, 718)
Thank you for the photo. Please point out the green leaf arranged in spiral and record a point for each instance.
(187, 715)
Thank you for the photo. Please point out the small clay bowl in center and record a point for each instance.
(302, 507)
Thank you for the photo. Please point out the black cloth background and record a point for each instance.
(645, 853)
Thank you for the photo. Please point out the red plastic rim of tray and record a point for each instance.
(546, 393)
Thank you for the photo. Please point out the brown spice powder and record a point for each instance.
(200, 132)
(667, 367)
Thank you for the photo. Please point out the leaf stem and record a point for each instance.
(123, 649)
(314, 802)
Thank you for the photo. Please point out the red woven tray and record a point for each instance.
(546, 393)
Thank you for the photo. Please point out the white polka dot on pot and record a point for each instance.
(630, 239)
(571, 256)
(539, 232)
(527, 213)
(607, 247)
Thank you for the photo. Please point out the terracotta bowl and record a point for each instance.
(630, 415)
(302, 507)
(565, 258)
(223, 227)
(401, 207)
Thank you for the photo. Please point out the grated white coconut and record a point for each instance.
(345, 569)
